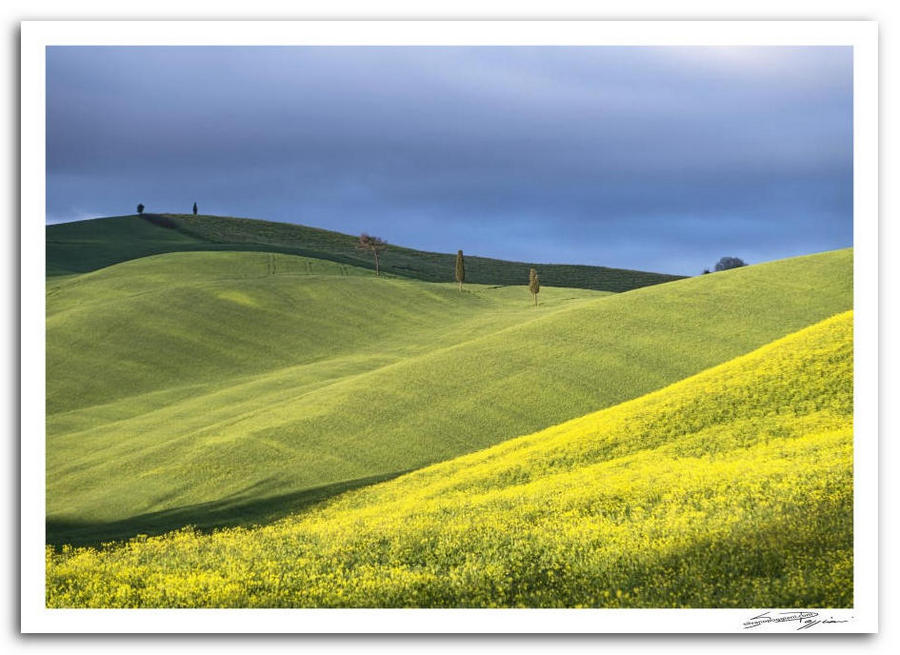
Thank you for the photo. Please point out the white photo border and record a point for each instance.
(36, 35)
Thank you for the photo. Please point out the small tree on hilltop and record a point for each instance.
(534, 285)
(729, 262)
(460, 269)
(195, 209)
(140, 208)
(373, 245)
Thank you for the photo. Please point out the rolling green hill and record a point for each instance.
(166, 322)
(222, 388)
(732, 488)
(85, 246)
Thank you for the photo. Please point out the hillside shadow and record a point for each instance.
(235, 510)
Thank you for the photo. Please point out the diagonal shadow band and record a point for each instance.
(228, 512)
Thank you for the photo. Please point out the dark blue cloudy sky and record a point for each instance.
(660, 159)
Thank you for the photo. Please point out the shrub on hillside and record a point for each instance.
(729, 262)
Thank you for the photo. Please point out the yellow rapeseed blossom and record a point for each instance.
(732, 488)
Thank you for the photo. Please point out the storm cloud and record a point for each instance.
(660, 159)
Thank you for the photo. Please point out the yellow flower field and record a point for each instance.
(732, 488)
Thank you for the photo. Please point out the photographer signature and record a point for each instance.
(805, 619)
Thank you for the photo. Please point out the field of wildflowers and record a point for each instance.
(230, 388)
(731, 488)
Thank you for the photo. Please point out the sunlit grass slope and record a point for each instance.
(158, 368)
(84, 246)
(732, 488)
(201, 388)
(165, 322)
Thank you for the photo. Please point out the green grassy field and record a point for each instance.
(84, 246)
(732, 488)
(222, 388)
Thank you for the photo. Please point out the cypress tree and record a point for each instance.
(195, 209)
(534, 285)
(460, 269)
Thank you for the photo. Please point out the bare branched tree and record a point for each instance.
(373, 245)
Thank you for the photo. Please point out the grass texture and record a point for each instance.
(84, 246)
(232, 388)
(732, 488)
